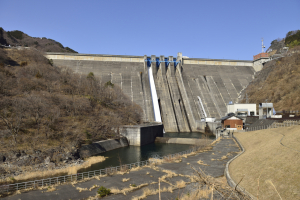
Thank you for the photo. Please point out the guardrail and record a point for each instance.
(80, 176)
(274, 125)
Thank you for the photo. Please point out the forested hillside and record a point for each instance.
(18, 38)
(43, 106)
(278, 82)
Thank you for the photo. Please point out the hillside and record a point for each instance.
(279, 82)
(47, 109)
(18, 38)
(268, 164)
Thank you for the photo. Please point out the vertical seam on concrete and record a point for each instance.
(186, 97)
(200, 89)
(213, 99)
(172, 104)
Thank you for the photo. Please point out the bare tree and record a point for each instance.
(12, 114)
(38, 110)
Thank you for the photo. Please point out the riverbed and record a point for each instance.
(132, 154)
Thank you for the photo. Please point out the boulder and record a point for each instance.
(2, 158)
(2, 170)
(51, 165)
(47, 160)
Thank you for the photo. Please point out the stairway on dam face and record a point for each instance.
(178, 88)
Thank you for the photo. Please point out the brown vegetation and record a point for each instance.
(279, 82)
(269, 169)
(18, 38)
(42, 106)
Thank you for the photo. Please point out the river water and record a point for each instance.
(132, 154)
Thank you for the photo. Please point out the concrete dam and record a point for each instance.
(179, 92)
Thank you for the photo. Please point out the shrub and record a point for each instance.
(36, 43)
(60, 45)
(109, 83)
(50, 62)
(293, 43)
(16, 34)
(23, 63)
(102, 191)
(90, 75)
(38, 75)
(88, 135)
(71, 50)
(295, 35)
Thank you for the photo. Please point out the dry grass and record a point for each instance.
(146, 192)
(199, 193)
(93, 187)
(208, 185)
(81, 189)
(180, 184)
(136, 169)
(87, 189)
(169, 174)
(149, 191)
(178, 158)
(265, 159)
(126, 190)
(51, 189)
(125, 179)
(50, 173)
(200, 162)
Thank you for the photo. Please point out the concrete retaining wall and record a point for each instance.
(102, 146)
(212, 126)
(201, 126)
(191, 141)
(139, 135)
(230, 181)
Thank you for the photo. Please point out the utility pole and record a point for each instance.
(267, 107)
(262, 45)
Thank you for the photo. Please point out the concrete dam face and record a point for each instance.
(178, 91)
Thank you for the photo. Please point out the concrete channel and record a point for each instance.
(215, 160)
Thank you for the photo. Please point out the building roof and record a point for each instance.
(229, 116)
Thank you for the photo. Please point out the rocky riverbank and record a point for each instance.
(26, 165)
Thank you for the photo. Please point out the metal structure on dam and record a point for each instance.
(186, 89)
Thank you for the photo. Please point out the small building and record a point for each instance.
(259, 60)
(232, 122)
(265, 110)
(242, 109)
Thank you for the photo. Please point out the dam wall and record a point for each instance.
(179, 84)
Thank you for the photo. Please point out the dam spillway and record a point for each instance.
(180, 83)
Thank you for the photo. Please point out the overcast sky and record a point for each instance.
(229, 29)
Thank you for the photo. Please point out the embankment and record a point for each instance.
(191, 141)
(270, 162)
(96, 148)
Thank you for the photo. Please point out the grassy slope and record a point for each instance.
(267, 158)
(279, 82)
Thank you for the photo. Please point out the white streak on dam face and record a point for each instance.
(157, 116)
